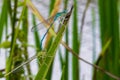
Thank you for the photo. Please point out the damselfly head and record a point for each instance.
(65, 11)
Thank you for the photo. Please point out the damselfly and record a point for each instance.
(58, 15)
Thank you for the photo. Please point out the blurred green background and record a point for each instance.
(92, 34)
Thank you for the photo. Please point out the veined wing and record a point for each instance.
(39, 25)
(48, 21)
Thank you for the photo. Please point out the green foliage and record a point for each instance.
(109, 28)
(17, 41)
(36, 36)
(75, 41)
(3, 17)
(5, 44)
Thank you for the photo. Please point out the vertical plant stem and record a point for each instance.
(36, 35)
(25, 30)
(66, 68)
(109, 25)
(10, 59)
(12, 40)
(75, 41)
(3, 17)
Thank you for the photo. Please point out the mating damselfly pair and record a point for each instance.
(59, 16)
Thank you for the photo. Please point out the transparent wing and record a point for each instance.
(48, 21)
(40, 25)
